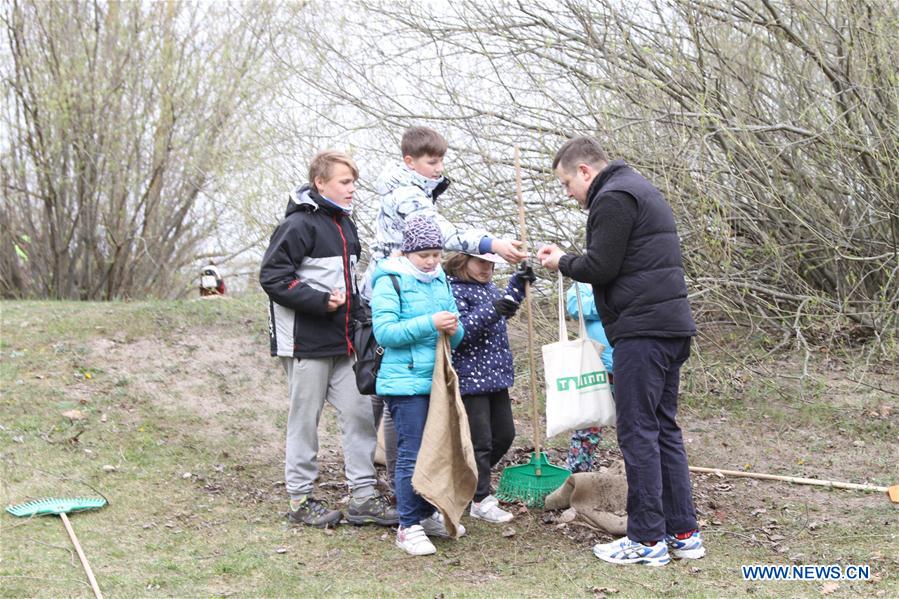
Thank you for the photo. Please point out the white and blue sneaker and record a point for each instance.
(689, 548)
(626, 551)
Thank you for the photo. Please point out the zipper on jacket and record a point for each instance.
(349, 289)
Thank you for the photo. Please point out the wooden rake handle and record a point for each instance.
(532, 374)
(893, 491)
(81, 556)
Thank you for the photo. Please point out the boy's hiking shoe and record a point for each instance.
(434, 525)
(488, 510)
(689, 548)
(626, 551)
(313, 512)
(375, 509)
(414, 541)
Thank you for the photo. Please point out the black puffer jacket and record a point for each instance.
(313, 251)
(648, 297)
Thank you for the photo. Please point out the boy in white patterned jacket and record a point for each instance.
(411, 189)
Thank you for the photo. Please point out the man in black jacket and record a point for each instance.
(309, 274)
(633, 261)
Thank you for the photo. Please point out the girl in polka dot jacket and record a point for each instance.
(483, 362)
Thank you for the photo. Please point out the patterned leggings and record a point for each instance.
(582, 447)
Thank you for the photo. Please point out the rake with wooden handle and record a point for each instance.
(531, 482)
(60, 506)
(891, 491)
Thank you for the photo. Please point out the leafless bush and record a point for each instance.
(121, 121)
(772, 128)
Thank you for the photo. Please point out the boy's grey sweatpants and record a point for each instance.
(310, 382)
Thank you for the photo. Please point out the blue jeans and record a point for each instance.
(409, 413)
(659, 493)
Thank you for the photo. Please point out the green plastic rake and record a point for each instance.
(60, 507)
(532, 482)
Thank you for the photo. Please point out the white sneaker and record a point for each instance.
(434, 525)
(414, 541)
(626, 551)
(488, 510)
(689, 548)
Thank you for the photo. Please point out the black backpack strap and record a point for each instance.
(396, 284)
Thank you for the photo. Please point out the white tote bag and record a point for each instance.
(577, 385)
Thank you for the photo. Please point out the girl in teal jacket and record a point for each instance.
(407, 325)
(404, 325)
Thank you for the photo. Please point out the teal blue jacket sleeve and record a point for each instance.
(456, 339)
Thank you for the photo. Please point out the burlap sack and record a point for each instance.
(445, 473)
(599, 498)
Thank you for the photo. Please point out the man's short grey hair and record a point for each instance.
(580, 150)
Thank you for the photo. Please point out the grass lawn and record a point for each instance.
(175, 412)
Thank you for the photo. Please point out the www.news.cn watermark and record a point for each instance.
(805, 572)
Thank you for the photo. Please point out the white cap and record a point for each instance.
(495, 258)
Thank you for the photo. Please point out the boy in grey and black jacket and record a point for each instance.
(309, 274)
